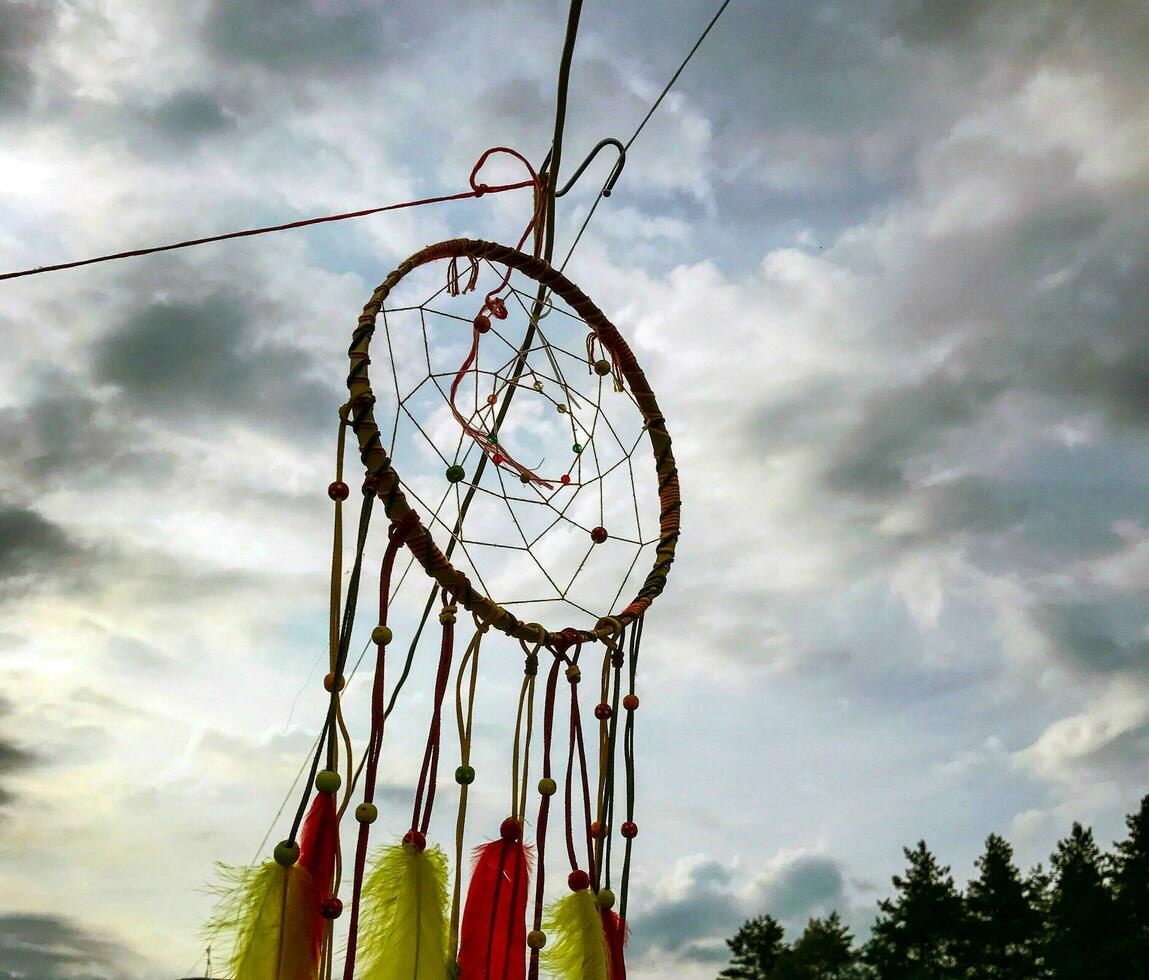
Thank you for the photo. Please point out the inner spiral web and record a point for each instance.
(525, 542)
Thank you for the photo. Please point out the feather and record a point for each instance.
(319, 842)
(403, 935)
(493, 942)
(576, 946)
(616, 934)
(269, 912)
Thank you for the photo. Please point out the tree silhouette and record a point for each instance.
(1079, 942)
(824, 951)
(1131, 892)
(755, 949)
(918, 934)
(1004, 927)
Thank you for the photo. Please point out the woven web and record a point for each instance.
(527, 546)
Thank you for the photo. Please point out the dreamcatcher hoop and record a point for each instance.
(383, 480)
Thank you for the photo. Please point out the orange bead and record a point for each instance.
(329, 680)
(598, 831)
(482, 323)
(630, 702)
(491, 399)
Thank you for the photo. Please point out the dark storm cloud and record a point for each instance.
(897, 424)
(970, 504)
(707, 908)
(189, 115)
(1082, 635)
(13, 758)
(804, 887)
(24, 27)
(50, 947)
(287, 35)
(188, 358)
(30, 546)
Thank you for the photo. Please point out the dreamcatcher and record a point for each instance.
(528, 502)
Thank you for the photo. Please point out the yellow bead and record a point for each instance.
(547, 786)
(286, 853)
(381, 635)
(327, 781)
(562, 409)
(602, 367)
(605, 898)
(366, 813)
(536, 939)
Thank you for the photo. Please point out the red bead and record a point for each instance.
(565, 479)
(629, 829)
(578, 880)
(602, 711)
(415, 839)
(598, 831)
(338, 490)
(630, 702)
(498, 458)
(482, 323)
(331, 907)
(511, 829)
(492, 399)
(598, 535)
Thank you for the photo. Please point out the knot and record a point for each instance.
(448, 613)
(574, 675)
(531, 668)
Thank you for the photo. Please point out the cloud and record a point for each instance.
(31, 548)
(1081, 634)
(49, 947)
(13, 758)
(25, 26)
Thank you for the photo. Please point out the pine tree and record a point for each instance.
(1003, 927)
(1131, 893)
(1080, 941)
(824, 951)
(755, 950)
(918, 934)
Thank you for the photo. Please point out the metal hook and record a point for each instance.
(614, 174)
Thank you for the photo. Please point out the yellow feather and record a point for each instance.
(265, 910)
(404, 932)
(576, 945)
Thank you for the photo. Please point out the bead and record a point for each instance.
(598, 831)
(598, 535)
(536, 939)
(328, 781)
(538, 386)
(574, 675)
(629, 829)
(577, 881)
(617, 659)
(286, 853)
(366, 813)
(482, 323)
(492, 399)
(498, 459)
(329, 682)
(465, 775)
(602, 367)
(602, 711)
(492, 437)
(415, 839)
(547, 786)
(511, 829)
(577, 447)
(561, 408)
(605, 898)
(381, 636)
(565, 479)
(455, 473)
(332, 908)
(630, 702)
(524, 478)
(338, 490)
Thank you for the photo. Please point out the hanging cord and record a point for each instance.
(577, 750)
(527, 701)
(547, 788)
(366, 812)
(608, 724)
(465, 774)
(617, 659)
(629, 829)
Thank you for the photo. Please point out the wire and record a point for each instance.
(642, 125)
(477, 192)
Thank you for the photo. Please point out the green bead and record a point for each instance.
(464, 775)
(286, 853)
(602, 368)
(366, 813)
(492, 437)
(328, 781)
(381, 635)
(547, 786)
(577, 447)
(455, 473)
(605, 898)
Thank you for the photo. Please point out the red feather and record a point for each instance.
(317, 846)
(493, 940)
(616, 936)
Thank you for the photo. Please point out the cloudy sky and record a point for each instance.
(884, 263)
